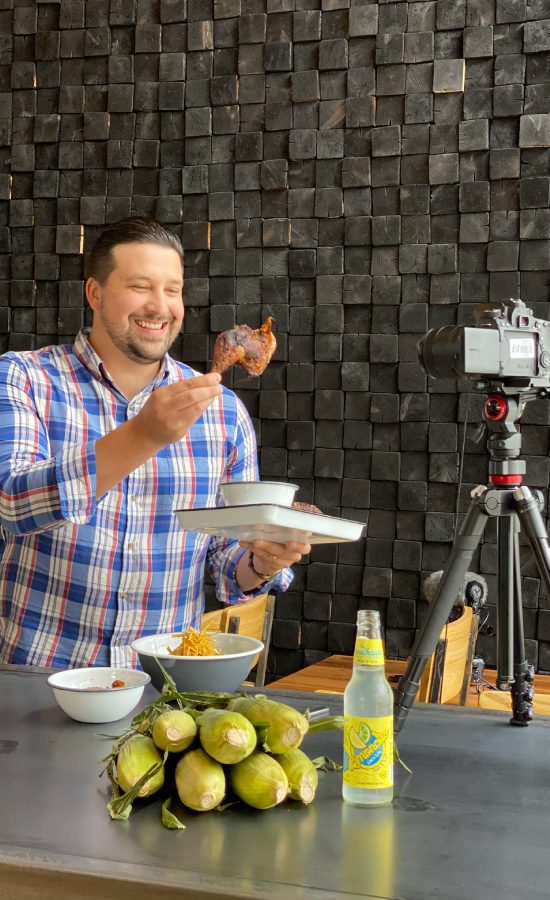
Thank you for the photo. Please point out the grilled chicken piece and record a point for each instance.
(306, 507)
(250, 348)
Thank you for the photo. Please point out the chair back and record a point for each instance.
(213, 621)
(447, 673)
(254, 619)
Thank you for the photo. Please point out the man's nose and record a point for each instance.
(156, 302)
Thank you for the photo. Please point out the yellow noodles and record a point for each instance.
(194, 643)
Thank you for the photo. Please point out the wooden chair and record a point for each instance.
(447, 674)
(213, 621)
(254, 619)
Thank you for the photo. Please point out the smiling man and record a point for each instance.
(99, 441)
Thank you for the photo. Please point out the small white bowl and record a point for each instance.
(87, 694)
(241, 493)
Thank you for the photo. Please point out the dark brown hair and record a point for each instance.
(133, 230)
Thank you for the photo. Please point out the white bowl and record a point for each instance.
(87, 695)
(199, 673)
(240, 493)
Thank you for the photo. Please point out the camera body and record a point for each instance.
(508, 345)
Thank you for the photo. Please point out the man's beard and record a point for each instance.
(136, 350)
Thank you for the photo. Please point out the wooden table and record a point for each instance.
(332, 674)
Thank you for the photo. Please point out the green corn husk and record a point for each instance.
(285, 727)
(200, 781)
(259, 781)
(134, 759)
(301, 773)
(174, 731)
(227, 737)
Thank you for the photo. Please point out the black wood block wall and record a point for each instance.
(362, 172)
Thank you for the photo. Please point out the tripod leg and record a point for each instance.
(532, 522)
(524, 674)
(506, 541)
(528, 510)
(449, 587)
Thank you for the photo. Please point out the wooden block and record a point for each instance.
(534, 130)
(449, 75)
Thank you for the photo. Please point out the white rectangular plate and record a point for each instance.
(268, 522)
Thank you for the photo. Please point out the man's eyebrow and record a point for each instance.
(178, 281)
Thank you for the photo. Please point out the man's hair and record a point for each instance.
(133, 230)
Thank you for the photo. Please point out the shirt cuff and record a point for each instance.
(76, 480)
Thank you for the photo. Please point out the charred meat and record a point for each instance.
(250, 348)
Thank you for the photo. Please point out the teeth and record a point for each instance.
(152, 326)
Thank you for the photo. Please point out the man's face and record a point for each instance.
(139, 308)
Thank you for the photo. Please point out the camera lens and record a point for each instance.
(440, 352)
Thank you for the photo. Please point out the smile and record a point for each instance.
(150, 326)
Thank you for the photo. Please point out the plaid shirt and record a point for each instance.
(81, 578)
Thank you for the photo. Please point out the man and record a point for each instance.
(99, 441)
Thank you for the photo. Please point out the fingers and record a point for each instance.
(277, 556)
(199, 391)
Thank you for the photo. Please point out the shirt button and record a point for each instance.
(117, 643)
(124, 595)
(131, 545)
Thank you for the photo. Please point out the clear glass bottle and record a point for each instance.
(368, 720)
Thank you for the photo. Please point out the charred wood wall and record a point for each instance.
(360, 171)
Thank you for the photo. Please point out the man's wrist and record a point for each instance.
(265, 577)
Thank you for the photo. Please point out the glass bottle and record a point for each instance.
(368, 720)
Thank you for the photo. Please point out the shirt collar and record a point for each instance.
(93, 362)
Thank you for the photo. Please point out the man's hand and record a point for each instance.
(269, 558)
(170, 411)
(165, 418)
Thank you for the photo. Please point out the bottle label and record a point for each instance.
(368, 652)
(368, 752)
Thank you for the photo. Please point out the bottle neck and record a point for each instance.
(369, 652)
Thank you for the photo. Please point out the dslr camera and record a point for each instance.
(508, 345)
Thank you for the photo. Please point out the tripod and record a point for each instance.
(513, 506)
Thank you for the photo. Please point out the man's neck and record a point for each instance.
(129, 377)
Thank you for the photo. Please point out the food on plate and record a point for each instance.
(250, 348)
(306, 507)
(118, 683)
(194, 643)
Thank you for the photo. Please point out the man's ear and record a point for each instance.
(92, 290)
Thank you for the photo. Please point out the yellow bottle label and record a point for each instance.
(368, 652)
(368, 752)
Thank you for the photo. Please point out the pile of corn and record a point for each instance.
(248, 751)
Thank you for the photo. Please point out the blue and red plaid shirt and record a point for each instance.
(81, 578)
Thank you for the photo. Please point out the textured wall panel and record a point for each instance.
(360, 172)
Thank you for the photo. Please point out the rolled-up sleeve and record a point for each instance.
(38, 490)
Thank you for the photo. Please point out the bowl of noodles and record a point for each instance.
(198, 661)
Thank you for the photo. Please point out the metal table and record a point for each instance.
(470, 821)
